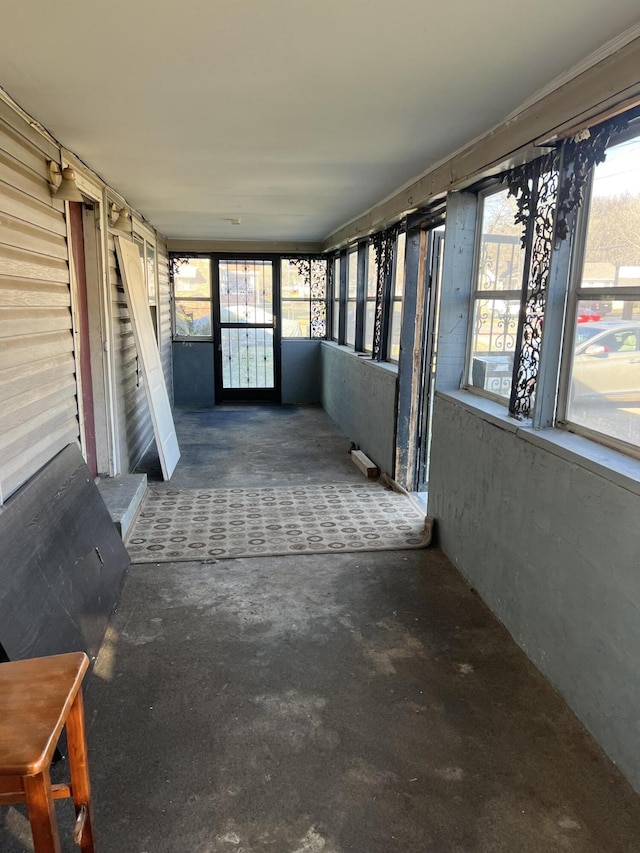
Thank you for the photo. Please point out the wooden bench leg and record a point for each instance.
(79, 771)
(42, 815)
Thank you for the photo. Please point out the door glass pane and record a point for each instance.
(247, 358)
(246, 292)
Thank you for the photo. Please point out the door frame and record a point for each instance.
(94, 221)
(223, 396)
(435, 249)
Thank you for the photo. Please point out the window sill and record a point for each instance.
(364, 357)
(609, 464)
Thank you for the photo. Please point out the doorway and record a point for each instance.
(85, 380)
(245, 333)
(435, 249)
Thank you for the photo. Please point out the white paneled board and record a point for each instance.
(144, 334)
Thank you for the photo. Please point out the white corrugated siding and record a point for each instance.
(38, 409)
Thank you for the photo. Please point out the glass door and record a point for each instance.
(246, 334)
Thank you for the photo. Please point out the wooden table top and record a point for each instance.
(35, 698)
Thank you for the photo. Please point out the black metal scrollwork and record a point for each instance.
(545, 206)
(383, 245)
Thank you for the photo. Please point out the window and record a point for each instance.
(498, 292)
(352, 297)
(335, 313)
(304, 297)
(370, 299)
(397, 294)
(602, 381)
(147, 253)
(192, 297)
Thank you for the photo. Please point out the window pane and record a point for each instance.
(351, 324)
(372, 273)
(295, 278)
(394, 334)
(151, 274)
(295, 319)
(369, 324)
(401, 245)
(612, 251)
(336, 320)
(604, 389)
(501, 258)
(193, 278)
(318, 319)
(193, 318)
(353, 275)
(495, 324)
(318, 279)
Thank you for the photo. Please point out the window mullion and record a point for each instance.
(548, 379)
(361, 294)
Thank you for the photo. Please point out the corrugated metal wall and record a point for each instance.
(38, 411)
(38, 405)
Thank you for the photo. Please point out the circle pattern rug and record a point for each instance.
(214, 524)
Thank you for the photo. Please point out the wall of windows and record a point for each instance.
(593, 352)
(359, 308)
(601, 388)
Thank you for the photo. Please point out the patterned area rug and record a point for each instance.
(214, 524)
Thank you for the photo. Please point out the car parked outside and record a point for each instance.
(606, 362)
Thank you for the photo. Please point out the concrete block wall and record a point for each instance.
(552, 546)
(359, 395)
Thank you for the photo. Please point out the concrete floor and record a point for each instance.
(324, 704)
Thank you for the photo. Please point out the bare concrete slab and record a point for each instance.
(347, 703)
(364, 702)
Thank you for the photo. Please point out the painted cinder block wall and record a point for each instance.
(359, 395)
(552, 547)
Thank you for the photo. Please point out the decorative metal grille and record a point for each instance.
(314, 274)
(546, 204)
(383, 244)
(535, 187)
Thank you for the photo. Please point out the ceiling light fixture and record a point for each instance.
(63, 183)
(120, 219)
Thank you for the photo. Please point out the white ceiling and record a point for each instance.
(293, 115)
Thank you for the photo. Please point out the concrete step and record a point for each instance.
(123, 496)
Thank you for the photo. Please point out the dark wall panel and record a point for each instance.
(62, 563)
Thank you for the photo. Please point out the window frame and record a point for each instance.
(521, 295)
(309, 300)
(393, 297)
(576, 294)
(175, 299)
